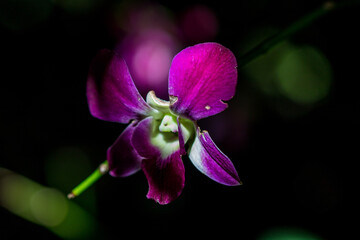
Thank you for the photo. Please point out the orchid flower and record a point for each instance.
(160, 132)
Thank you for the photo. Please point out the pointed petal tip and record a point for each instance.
(236, 178)
(232, 181)
(208, 158)
(238, 183)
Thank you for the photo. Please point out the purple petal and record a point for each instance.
(165, 173)
(201, 77)
(208, 158)
(122, 157)
(141, 139)
(166, 177)
(111, 93)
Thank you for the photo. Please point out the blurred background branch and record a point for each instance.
(297, 26)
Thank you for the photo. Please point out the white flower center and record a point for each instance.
(165, 127)
(168, 124)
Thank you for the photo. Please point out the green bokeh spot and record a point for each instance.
(304, 75)
(46, 207)
(288, 234)
(261, 71)
(49, 206)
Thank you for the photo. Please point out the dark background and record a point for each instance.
(297, 170)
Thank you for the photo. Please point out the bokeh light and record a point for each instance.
(287, 233)
(148, 55)
(45, 206)
(261, 71)
(158, 60)
(293, 78)
(49, 206)
(148, 44)
(16, 192)
(75, 162)
(304, 75)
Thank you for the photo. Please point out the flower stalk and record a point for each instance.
(96, 175)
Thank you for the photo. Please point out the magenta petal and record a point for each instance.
(122, 157)
(141, 139)
(201, 77)
(166, 177)
(111, 93)
(208, 158)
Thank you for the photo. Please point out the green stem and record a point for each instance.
(270, 42)
(96, 175)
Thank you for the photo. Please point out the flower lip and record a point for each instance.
(162, 164)
(168, 124)
(166, 177)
